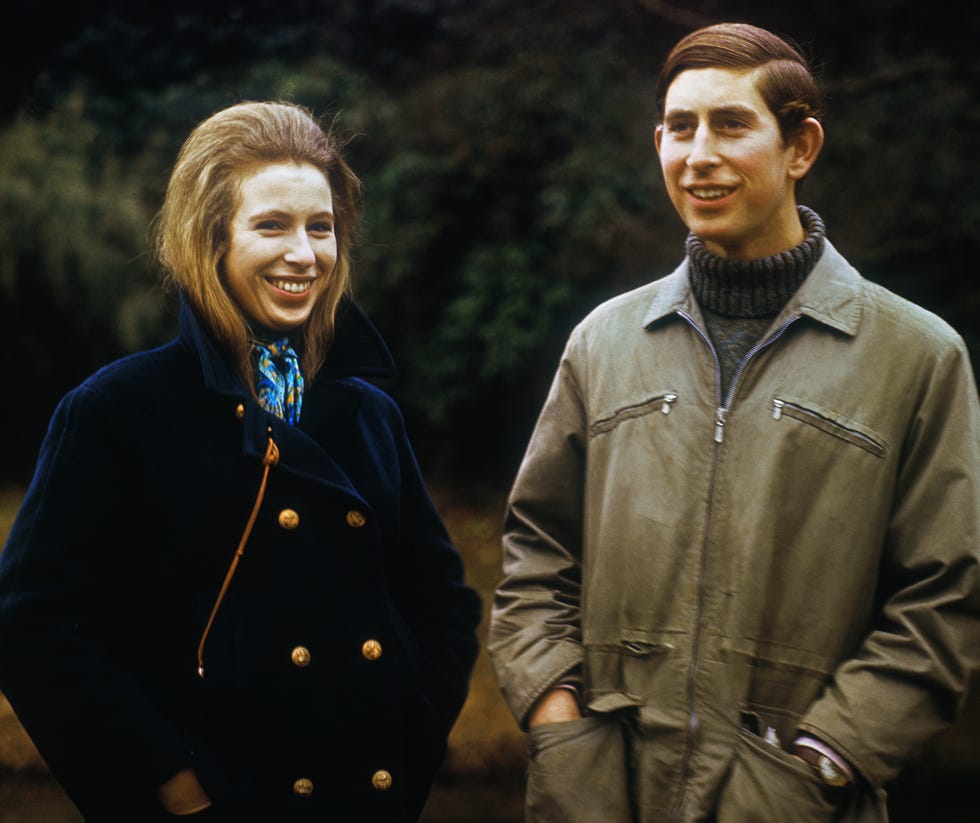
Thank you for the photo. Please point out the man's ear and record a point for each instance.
(658, 135)
(806, 142)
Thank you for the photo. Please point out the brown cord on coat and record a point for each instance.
(270, 459)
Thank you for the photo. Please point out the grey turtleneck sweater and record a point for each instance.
(740, 298)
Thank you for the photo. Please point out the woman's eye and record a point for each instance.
(321, 228)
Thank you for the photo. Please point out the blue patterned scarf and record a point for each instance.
(279, 383)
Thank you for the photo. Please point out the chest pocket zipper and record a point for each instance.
(782, 408)
(662, 403)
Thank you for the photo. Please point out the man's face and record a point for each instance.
(728, 171)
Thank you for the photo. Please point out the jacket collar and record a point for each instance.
(831, 295)
(358, 350)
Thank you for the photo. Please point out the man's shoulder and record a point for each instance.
(844, 298)
(908, 319)
(631, 309)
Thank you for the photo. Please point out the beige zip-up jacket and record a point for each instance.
(801, 556)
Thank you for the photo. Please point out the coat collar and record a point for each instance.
(831, 295)
(358, 350)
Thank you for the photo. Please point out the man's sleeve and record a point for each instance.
(535, 631)
(907, 681)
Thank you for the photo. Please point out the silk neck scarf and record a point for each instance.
(279, 381)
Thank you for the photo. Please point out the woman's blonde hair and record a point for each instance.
(203, 194)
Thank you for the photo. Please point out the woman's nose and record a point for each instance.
(300, 251)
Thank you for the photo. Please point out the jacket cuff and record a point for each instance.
(807, 742)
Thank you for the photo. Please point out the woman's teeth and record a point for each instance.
(292, 287)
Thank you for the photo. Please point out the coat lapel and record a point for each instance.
(330, 406)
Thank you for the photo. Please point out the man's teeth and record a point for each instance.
(709, 194)
(292, 287)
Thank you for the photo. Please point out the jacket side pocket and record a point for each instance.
(767, 785)
(565, 758)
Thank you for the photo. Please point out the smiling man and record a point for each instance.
(741, 553)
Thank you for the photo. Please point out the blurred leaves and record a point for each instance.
(72, 219)
(511, 182)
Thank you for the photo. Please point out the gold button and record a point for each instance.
(300, 656)
(288, 519)
(381, 780)
(355, 519)
(303, 787)
(371, 649)
(240, 411)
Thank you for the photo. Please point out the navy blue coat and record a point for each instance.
(341, 655)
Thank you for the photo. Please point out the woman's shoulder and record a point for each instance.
(370, 393)
(142, 373)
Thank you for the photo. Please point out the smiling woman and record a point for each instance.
(225, 192)
(274, 546)
(282, 249)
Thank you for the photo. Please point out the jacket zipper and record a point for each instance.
(721, 416)
(762, 344)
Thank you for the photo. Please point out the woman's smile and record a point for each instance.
(282, 247)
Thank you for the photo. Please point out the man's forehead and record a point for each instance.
(714, 88)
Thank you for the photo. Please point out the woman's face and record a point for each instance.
(282, 248)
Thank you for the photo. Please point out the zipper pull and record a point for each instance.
(669, 400)
(777, 408)
(720, 425)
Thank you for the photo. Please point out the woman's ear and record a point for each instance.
(805, 145)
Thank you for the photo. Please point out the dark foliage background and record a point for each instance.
(511, 185)
(510, 176)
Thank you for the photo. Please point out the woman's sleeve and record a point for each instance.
(430, 590)
(69, 684)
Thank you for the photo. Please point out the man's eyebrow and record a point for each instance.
(735, 110)
(729, 109)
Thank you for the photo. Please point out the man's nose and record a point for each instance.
(704, 149)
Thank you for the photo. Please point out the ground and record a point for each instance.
(482, 779)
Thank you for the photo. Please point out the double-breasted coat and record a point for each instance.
(340, 655)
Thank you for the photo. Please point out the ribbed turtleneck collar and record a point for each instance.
(754, 288)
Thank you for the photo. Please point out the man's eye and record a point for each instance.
(680, 127)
